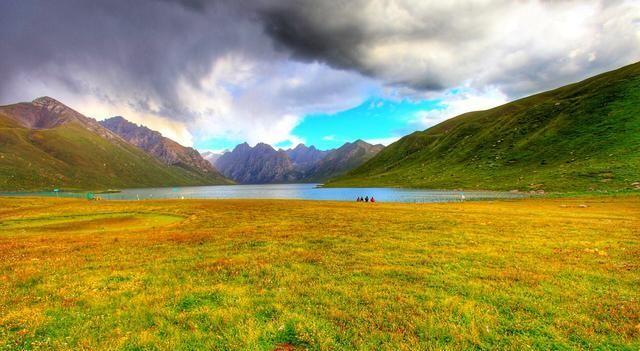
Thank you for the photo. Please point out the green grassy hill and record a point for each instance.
(584, 136)
(76, 153)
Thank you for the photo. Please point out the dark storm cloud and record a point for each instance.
(296, 27)
(196, 5)
(141, 51)
(304, 28)
(330, 32)
(429, 46)
(138, 47)
(343, 34)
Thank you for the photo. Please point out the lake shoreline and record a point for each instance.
(306, 191)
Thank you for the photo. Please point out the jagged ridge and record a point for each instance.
(166, 150)
(302, 164)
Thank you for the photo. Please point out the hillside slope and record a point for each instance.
(164, 149)
(584, 136)
(45, 144)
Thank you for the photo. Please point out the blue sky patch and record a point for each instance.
(374, 119)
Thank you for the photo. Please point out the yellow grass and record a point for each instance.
(241, 274)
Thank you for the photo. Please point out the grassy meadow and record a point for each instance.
(291, 275)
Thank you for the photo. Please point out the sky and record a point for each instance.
(212, 74)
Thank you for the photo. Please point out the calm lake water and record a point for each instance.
(289, 191)
(303, 192)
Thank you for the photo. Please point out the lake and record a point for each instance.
(287, 191)
(304, 192)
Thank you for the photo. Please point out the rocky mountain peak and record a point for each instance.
(47, 113)
(260, 164)
(56, 107)
(264, 147)
(304, 157)
(47, 101)
(118, 119)
(242, 147)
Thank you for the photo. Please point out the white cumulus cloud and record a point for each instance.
(459, 101)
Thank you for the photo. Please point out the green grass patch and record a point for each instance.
(90, 222)
(541, 273)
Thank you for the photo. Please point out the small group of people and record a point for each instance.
(365, 199)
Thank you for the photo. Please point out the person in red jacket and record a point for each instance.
(372, 199)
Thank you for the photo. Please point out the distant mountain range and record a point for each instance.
(256, 165)
(264, 164)
(584, 136)
(44, 144)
